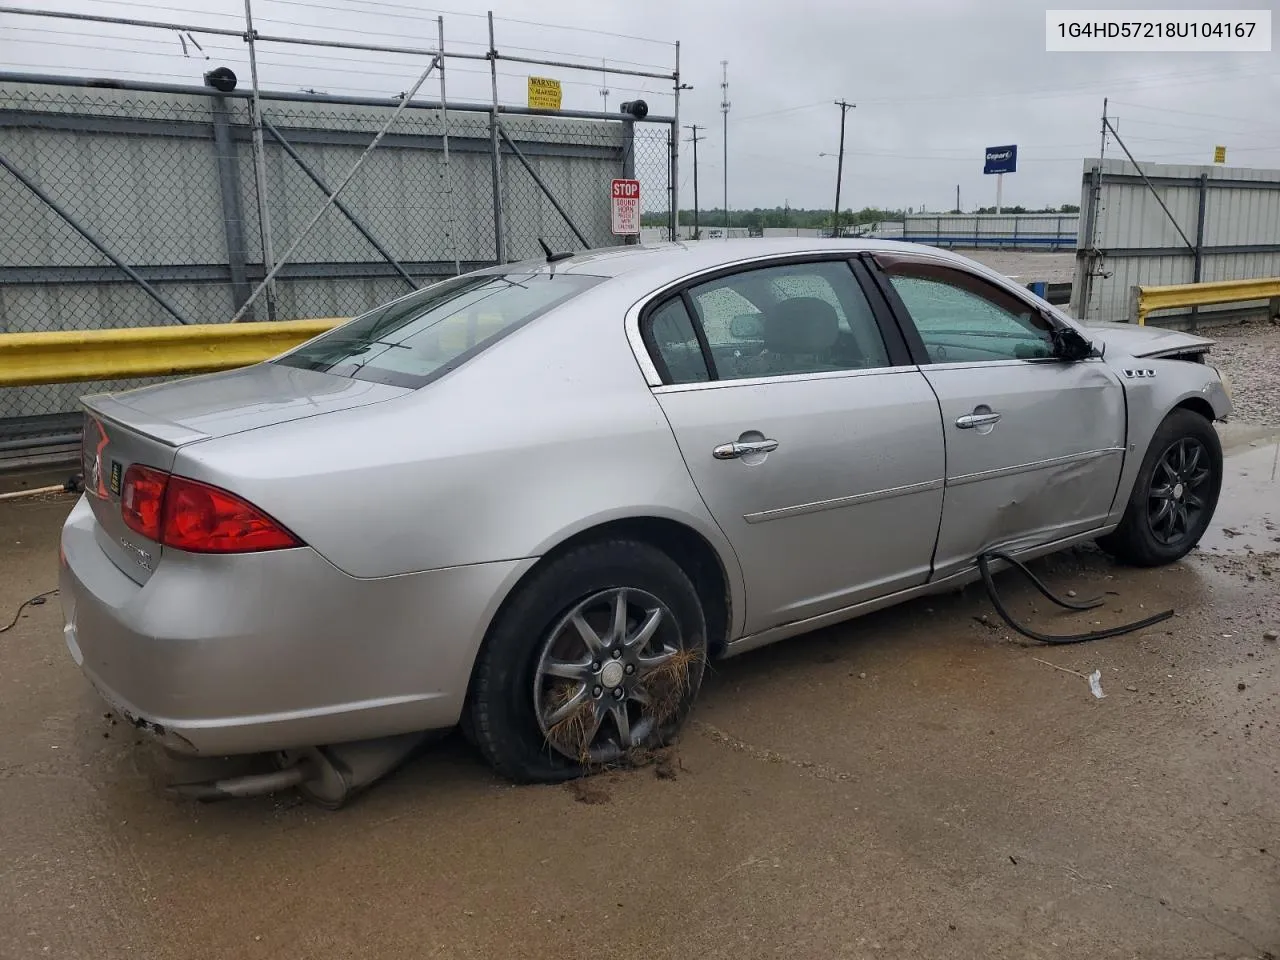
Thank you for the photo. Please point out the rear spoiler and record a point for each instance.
(106, 407)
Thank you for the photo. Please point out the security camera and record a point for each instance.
(221, 79)
(637, 108)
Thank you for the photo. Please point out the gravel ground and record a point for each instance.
(1027, 266)
(1249, 355)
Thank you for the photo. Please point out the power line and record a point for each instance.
(775, 113)
(1191, 113)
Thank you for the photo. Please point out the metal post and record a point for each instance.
(835, 219)
(499, 227)
(628, 149)
(694, 138)
(224, 146)
(342, 207)
(999, 191)
(1199, 264)
(97, 244)
(447, 172)
(1082, 289)
(260, 165)
(674, 137)
(724, 110)
(629, 163)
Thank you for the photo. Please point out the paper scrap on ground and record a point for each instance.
(1095, 684)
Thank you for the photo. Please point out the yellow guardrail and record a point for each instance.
(66, 356)
(1148, 299)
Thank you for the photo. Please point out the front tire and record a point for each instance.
(599, 655)
(1174, 496)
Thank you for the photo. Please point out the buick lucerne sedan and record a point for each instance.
(536, 499)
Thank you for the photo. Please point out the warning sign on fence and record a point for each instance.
(544, 93)
(626, 207)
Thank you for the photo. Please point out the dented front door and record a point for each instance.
(1034, 452)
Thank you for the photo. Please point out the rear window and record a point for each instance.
(413, 340)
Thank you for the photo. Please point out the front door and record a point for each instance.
(819, 456)
(1034, 445)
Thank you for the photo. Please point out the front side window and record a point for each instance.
(963, 318)
(783, 320)
(410, 341)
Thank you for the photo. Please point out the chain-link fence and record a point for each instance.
(139, 207)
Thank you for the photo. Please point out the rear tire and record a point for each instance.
(1174, 496)
(566, 684)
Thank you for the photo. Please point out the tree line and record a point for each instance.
(757, 218)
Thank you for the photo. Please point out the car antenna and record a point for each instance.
(552, 257)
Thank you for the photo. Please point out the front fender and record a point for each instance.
(1154, 388)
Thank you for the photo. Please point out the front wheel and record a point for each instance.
(1174, 495)
(600, 654)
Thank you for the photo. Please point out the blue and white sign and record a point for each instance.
(1001, 159)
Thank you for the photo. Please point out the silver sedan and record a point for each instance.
(537, 499)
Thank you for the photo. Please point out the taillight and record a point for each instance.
(141, 500)
(204, 519)
(193, 516)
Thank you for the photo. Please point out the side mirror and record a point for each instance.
(1070, 346)
(747, 326)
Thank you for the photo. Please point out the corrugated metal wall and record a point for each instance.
(1130, 240)
(1015, 231)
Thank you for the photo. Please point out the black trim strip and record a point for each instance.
(906, 326)
(695, 318)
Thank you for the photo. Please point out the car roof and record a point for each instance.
(696, 255)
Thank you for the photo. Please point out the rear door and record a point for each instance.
(1034, 445)
(814, 442)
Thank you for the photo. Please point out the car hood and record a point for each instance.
(1143, 341)
(220, 404)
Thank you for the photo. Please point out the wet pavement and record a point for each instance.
(918, 783)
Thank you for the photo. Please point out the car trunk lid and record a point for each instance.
(148, 426)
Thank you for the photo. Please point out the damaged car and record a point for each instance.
(536, 500)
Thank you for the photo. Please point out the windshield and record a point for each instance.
(411, 341)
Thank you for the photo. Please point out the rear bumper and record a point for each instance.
(270, 651)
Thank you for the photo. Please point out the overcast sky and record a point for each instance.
(935, 81)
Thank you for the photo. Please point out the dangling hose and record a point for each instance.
(984, 567)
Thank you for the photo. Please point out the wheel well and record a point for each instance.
(686, 547)
(1198, 405)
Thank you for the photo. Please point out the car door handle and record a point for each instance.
(742, 448)
(971, 420)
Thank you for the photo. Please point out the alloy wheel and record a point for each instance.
(611, 671)
(1176, 499)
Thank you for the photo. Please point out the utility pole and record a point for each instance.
(957, 198)
(604, 86)
(845, 107)
(724, 110)
(693, 129)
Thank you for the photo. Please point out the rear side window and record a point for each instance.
(676, 344)
(768, 321)
(411, 341)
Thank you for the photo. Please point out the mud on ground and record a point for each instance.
(918, 783)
